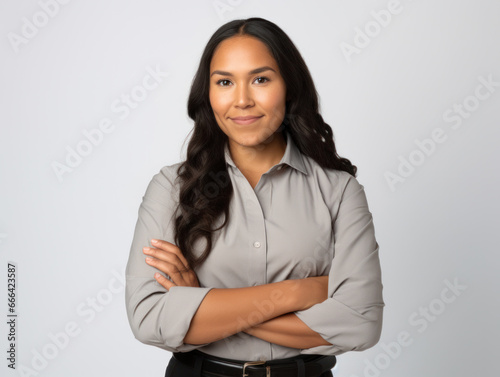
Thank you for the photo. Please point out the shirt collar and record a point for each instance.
(292, 156)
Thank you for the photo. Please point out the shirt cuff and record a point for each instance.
(343, 327)
(162, 318)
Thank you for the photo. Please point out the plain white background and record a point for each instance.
(64, 71)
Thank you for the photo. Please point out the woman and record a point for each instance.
(265, 261)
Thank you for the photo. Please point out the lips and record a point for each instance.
(246, 119)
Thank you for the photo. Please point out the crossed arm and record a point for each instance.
(289, 331)
(226, 311)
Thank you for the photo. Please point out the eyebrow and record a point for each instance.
(257, 70)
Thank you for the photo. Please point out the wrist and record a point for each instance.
(249, 331)
(294, 295)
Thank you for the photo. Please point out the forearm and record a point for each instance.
(224, 312)
(289, 331)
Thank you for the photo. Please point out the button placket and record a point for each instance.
(257, 270)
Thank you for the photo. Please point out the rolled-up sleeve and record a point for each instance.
(351, 317)
(158, 316)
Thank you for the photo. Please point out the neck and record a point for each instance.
(261, 157)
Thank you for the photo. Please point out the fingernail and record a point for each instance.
(154, 241)
(149, 259)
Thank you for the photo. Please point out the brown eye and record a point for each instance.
(262, 78)
(222, 80)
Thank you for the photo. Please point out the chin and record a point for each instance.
(255, 137)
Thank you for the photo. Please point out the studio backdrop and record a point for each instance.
(93, 104)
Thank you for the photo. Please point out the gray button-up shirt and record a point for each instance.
(301, 220)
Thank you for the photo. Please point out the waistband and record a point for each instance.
(297, 366)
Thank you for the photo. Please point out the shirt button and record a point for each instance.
(256, 244)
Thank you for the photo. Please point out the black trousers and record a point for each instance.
(177, 369)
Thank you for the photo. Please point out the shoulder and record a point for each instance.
(167, 175)
(164, 186)
(335, 186)
(327, 178)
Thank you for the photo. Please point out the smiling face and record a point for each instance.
(245, 82)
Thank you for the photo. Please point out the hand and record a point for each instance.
(168, 258)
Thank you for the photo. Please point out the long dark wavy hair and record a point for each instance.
(205, 186)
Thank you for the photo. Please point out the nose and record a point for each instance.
(243, 96)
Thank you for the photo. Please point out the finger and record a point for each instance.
(165, 245)
(167, 284)
(163, 258)
(170, 247)
(169, 269)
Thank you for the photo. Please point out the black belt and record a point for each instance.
(298, 366)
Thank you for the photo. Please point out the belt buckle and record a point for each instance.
(260, 362)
